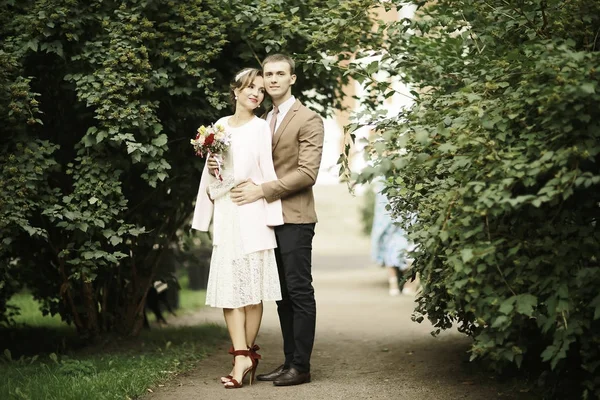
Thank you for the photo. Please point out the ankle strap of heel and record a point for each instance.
(245, 353)
(253, 352)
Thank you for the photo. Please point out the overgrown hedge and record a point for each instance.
(498, 160)
(98, 100)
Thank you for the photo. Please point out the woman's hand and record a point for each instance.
(212, 164)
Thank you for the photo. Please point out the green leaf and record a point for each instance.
(467, 255)
(372, 67)
(488, 123)
(443, 235)
(525, 304)
(421, 135)
(88, 140)
(507, 305)
(589, 87)
(32, 45)
(447, 148)
(160, 141)
(499, 321)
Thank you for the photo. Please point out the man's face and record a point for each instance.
(278, 79)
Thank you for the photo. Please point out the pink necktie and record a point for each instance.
(274, 119)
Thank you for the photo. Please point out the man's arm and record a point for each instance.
(310, 151)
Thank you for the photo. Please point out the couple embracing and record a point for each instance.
(263, 213)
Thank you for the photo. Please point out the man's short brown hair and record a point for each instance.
(279, 58)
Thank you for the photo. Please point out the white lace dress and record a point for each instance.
(237, 279)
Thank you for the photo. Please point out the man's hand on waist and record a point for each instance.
(246, 192)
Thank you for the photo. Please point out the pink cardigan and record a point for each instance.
(252, 159)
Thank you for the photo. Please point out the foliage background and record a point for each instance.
(498, 162)
(98, 100)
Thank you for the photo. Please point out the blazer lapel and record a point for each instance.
(288, 117)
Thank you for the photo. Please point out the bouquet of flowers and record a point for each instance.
(212, 139)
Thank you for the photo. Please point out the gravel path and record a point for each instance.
(366, 345)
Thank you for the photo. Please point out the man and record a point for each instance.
(297, 148)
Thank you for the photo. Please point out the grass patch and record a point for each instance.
(30, 314)
(34, 333)
(128, 369)
(49, 361)
(190, 300)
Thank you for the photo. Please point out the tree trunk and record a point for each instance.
(91, 304)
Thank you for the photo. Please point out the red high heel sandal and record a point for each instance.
(254, 355)
(234, 383)
(227, 378)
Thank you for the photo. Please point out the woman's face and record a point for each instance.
(252, 95)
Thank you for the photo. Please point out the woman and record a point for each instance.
(243, 270)
(389, 245)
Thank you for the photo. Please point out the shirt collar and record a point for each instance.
(286, 105)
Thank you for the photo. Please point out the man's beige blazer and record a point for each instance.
(297, 150)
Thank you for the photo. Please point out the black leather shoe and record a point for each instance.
(292, 377)
(271, 376)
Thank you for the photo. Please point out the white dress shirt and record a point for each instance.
(283, 109)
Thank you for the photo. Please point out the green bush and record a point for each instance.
(498, 159)
(98, 101)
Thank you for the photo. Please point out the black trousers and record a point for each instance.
(297, 309)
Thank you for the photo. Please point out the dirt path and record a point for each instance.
(366, 345)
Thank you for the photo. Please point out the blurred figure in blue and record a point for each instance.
(389, 245)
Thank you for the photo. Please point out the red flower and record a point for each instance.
(209, 139)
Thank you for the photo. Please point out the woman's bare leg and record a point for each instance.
(225, 313)
(254, 315)
(394, 289)
(235, 318)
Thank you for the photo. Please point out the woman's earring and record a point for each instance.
(236, 97)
